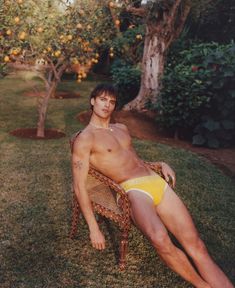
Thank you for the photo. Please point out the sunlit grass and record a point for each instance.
(35, 205)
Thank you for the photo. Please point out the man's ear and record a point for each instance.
(92, 101)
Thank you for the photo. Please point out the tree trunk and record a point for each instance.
(152, 71)
(43, 109)
(159, 36)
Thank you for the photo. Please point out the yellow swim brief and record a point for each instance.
(152, 185)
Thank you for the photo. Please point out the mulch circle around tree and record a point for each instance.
(58, 95)
(31, 133)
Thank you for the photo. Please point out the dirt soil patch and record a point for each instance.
(143, 126)
(58, 95)
(31, 133)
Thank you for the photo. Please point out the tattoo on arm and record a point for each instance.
(78, 164)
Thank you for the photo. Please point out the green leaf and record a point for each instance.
(227, 124)
(213, 143)
(198, 140)
(212, 125)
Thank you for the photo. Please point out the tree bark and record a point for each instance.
(51, 83)
(43, 109)
(158, 38)
(152, 70)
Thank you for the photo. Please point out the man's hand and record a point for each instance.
(168, 172)
(97, 239)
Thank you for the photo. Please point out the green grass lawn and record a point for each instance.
(35, 205)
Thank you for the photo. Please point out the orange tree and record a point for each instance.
(60, 34)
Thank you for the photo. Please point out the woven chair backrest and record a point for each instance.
(99, 192)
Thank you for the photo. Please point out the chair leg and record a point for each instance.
(75, 217)
(123, 250)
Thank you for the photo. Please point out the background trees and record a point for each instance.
(194, 94)
(55, 34)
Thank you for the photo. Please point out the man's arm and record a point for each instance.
(80, 167)
(167, 172)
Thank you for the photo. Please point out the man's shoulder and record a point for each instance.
(121, 126)
(81, 138)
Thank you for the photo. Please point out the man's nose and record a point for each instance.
(107, 104)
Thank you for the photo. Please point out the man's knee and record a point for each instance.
(160, 240)
(196, 248)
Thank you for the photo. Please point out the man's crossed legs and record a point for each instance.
(172, 214)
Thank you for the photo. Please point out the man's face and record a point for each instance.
(103, 105)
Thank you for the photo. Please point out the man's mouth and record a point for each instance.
(105, 110)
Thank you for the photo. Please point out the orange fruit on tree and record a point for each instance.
(22, 35)
(139, 36)
(9, 32)
(6, 59)
(57, 53)
(40, 29)
(117, 22)
(70, 37)
(17, 19)
(111, 54)
(79, 26)
(14, 52)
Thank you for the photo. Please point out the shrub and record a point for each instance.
(128, 47)
(199, 94)
(127, 79)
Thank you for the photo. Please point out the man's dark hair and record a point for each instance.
(105, 88)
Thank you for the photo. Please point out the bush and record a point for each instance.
(199, 94)
(127, 80)
(3, 70)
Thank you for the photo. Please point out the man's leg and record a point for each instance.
(177, 219)
(146, 219)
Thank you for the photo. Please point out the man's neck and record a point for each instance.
(99, 122)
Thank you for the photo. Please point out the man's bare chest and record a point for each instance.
(106, 142)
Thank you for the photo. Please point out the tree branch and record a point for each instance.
(137, 11)
(182, 21)
(174, 9)
(53, 68)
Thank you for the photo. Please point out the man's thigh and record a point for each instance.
(143, 213)
(176, 217)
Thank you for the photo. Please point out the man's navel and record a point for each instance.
(109, 150)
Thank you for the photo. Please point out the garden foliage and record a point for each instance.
(198, 93)
(125, 70)
(127, 79)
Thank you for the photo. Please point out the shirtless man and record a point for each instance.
(155, 208)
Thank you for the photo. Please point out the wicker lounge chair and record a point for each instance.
(102, 193)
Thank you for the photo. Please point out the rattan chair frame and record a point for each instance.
(122, 219)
